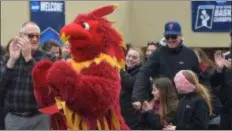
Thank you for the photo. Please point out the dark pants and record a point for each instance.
(2, 117)
(226, 116)
(226, 121)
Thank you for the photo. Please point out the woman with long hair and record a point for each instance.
(194, 109)
(155, 117)
(203, 59)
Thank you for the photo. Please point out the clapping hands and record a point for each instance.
(220, 61)
(169, 127)
(20, 45)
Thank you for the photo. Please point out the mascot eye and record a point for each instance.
(86, 26)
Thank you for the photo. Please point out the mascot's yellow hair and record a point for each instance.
(78, 66)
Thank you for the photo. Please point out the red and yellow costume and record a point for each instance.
(83, 92)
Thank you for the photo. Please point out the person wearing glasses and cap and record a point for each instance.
(166, 61)
(16, 79)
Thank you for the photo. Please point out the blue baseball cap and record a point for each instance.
(172, 28)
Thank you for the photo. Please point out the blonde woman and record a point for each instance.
(134, 60)
(194, 109)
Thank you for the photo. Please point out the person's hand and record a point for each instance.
(228, 63)
(169, 127)
(26, 48)
(147, 106)
(137, 105)
(14, 50)
(219, 60)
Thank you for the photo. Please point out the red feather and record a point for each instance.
(103, 11)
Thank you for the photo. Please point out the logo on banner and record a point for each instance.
(207, 15)
(35, 6)
(50, 33)
(204, 16)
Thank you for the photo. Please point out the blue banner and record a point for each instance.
(50, 16)
(211, 16)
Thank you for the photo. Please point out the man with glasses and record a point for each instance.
(165, 62)
(16, 80)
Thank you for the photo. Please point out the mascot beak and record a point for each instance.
(75, 32)
(64, 38)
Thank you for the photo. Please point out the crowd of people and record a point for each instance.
(170, 87)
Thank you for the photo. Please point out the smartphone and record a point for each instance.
(228, 57)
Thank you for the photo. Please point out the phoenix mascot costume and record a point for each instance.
(83, 92)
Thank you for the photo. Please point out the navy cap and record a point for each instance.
(172, 28)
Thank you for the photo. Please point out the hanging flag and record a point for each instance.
(50, 16)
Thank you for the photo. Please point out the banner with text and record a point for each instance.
(211, 16)
(50, 16)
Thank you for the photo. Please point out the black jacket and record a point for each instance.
(151, 121)
(2, 93)
(130, 115)
(164, 62)
(192, 113)
(224, 81)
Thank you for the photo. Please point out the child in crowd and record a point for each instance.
(194, 109)
(156, 116)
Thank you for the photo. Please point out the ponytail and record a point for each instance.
(205, 94)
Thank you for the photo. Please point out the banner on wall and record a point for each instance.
(211, 16)
(50, 16)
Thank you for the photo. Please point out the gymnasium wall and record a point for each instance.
(138, 21)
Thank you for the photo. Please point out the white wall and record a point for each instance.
(139, 21)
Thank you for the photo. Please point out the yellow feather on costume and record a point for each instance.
(78, 67)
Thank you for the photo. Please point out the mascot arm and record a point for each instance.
(42, 93)
(91, 94)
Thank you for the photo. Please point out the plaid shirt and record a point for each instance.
(17, 83)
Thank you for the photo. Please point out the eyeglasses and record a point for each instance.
(167, 37)
(31, 36)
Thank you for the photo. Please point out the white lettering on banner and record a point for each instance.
(51, 6)
(222, 14)
(35, 7)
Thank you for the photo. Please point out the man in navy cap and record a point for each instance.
(166, 62)
(173, 34)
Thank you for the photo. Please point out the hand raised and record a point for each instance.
(228, 63)
(219, 59)
(14, 49)
(26, 47)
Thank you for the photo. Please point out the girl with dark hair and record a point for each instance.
(156, 116)
(53, 47)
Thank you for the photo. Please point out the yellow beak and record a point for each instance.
(64, 38)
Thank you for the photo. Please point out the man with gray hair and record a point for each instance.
(16, 80)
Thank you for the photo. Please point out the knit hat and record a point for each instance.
(183, 86)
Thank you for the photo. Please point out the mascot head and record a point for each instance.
(91, 34)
